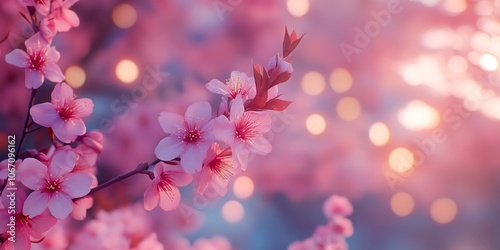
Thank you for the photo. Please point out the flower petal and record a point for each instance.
(192, 157)
(204, 179)
(42, 223)
(151, 198)
(80, 207)
(178, 176)
(169, 148)
(84, 107)
(33, 78)
(35, 204)
(217, 87)
(198, 113)
(77, 185)
(260, 145)
(36, 42)
(62, 163)
(171, 123)
(71, 17)
(53, 55)
(44, 114)
(237, 108)
(60, 205)
(31, 173)
(62, 94)
(53, 72)
(17, 58)
(170, 200)
(224, 130)
(240, 155)
(67, 131)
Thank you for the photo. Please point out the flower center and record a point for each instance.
(67, 111)
(236, 87)
(53, 185)
(191, 135)
(220, 168)
(165, 185)
(245, 128)
(37, 58)
(22, 219)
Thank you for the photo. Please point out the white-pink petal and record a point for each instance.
(84, 107)
(60, 205)
(170, 200)
(53, 55)
(17, 58)
(76, 184)
(217, 87)
(62, 163)
(169, 148)
(260, 145)
(33, 78)
(53, 72)
(61, 94)
(171, 123)
(36, 42)
(198, 113)
(35, 204)
(31, 173)
(151, 198)
(237, 108)
(44, 114)
(224, 130)
(192, 157)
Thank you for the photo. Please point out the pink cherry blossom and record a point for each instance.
(238, 84)
(41, 6)
(64, 19)
(54, 186)
(163, 188)
(341, 226)
(188, 137)
(149, 243)
(27, 228)
(243, 132)
(39, 61)
(218, 167)
(64, 113)
(337, 206)
(277, 63)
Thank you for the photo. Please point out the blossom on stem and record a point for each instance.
(64, 19)
(163, 188)
(41, 6)
(238, 84)
(64, 113)
(337, 206)
(188, 137)
(243, 131)
(218, 167)
(39, 61)
(54, 185)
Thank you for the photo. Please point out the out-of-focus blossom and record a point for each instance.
(41, 6)
(27, 228)
(238, 84)
(54, 186)
(62, 16)
(188, 137)
(55, 239)
(218, 167)
(149, 243)
(163, 188)
(81, 206)
(64, 113)
(39, 61)
(337, 206)
(243, 131)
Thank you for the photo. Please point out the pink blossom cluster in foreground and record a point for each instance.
(333, 234)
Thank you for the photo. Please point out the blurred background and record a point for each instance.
(396, 106)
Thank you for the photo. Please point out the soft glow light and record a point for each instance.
(75, 76)
(124, 16)
(348, 108)
(340, 80)
(379, 134)
(127, 71)
(418, 116)
(233, 211)
(428, 3)
(316, 124)
(490, 107)
(458, 64)
(243, 187)
(488, 62)
(455, 6)
(402, 204)
(313, 83)
(444, 210)
(298, 8)
(412, 75)
(484, 8)
(401, 160)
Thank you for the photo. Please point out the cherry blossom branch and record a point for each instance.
(26, 121)
(33, 130)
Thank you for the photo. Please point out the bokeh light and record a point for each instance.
(340, 80)
(298, 8)
(124, 16)
(488, 62)
(455, 6)
(401, 160)
(75, 76)
(316, 124)
(313, 83)
(417, 115)
(233, 211)
(444, 210)
(402, 204)
(348, 108)
(127, 71)
(379, 134)
(458, 64)
(243, 187)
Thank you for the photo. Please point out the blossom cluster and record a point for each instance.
(332, 235)
(58, 181)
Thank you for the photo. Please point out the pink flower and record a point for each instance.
(342, 226)
(163, 188)
(238, 84)
(337, 206)
(64, 113)
(243, 132)
(48, 28)
(81, 206)
(54, 186)
(64, 18)
(277, 63)
(39, 62)
(188, 137)
(27, 228)
(41, 6)
(218, 167)
(149, 243)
